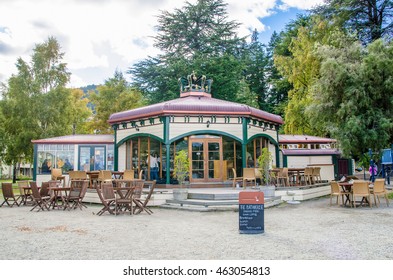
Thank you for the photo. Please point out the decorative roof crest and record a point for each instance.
(195, 83)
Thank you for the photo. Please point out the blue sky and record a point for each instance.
(100, 36)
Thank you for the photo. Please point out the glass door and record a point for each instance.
(206, 160)
(91, 158)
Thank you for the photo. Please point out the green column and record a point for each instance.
(278, 146)
(115, 149)
(244, 143)
(168, 151)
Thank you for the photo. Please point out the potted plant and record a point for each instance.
(180, 172)
(264, 161)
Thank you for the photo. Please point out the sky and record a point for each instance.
(99, 37)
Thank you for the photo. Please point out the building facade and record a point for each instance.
(217, 135)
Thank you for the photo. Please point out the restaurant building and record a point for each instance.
(217, 135)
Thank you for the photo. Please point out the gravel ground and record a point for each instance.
(312, 230)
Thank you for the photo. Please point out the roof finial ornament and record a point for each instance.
(195, 83)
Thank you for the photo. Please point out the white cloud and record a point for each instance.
(96, 34)
(301, 4)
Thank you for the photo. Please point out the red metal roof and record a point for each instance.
(78, 139)
(309, 152)
(194, 105)
(297, 139)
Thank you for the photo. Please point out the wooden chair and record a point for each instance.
(236, 179)
(44, 190)
(283, 176)
(104, 176)
(76, 175)
(107, 197)
(128, 174)
(335, 190)
(379, 190)
(308, 176)
(9, 196)
(73, 195)
(39, 201)
(125, 195)
(25, 195)
(57, 175)
(140, 174)
(142, 203)
(316, 174)
(137, 194)
(361, 188)
(249, 175)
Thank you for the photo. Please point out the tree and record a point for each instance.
(371, 19)
(114, 96)
(35, 102)
(353, 95)
(257, 75)
(198, 37)
(80, 113)
(197, 29)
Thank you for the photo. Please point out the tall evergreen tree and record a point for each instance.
(371, 19)
(197, 37)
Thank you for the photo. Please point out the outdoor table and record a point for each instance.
(297, 172)
(57, 193)
(346, 187)
(28, 194)
(124, 200)
(93, 178)
(117, 174)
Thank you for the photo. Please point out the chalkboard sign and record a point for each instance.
(251, 212)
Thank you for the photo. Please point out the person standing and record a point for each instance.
(373, 170)
(153, 166)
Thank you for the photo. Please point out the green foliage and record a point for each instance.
(371, 19)
(181, 166)
(264, 161)
(80, 112)
(114, 96)
(35, 101)
(197, 37)
(353, 95)
(200, 29)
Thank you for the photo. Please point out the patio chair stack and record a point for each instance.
(9, 197)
